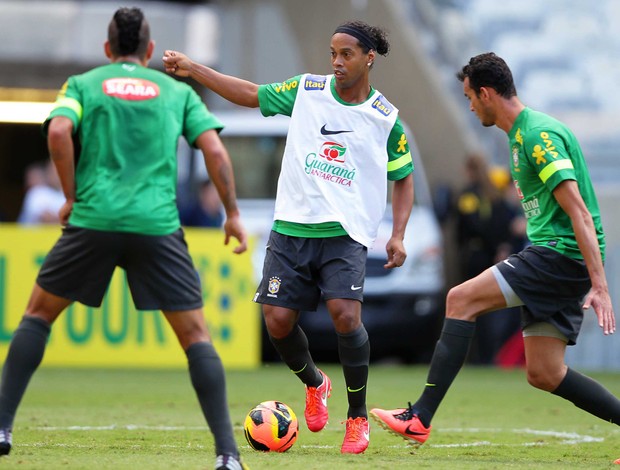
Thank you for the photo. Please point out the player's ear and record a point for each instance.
(150, 49)
(484, 93)
(107, 49)
(371, 56)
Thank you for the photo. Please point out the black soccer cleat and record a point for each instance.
(229, 462)
(6, 441)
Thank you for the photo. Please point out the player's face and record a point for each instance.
(479, 104)
(348, 60)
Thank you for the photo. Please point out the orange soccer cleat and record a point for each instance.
(403, 422)
(316, 404)
(356, 437)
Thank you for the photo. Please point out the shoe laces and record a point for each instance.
(314, 399)
(406, 414)
(228, 462)
(354, 428)
(5, 435)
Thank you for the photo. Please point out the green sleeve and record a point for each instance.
(198, 119)
(278, 98)
(400, 163)
(546, 152)
(68, 104)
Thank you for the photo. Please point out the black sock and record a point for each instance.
(590, 396)
(448, 358)
(354, 352)
(24, 356)
(295, 353)
(207, 375)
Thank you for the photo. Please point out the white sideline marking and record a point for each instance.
(128, 427)
(567, 438)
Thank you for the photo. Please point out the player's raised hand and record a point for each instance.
(177, 63)
(234, 228)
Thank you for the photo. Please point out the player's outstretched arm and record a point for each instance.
(568, 196)
(220, 171)
(233, 89)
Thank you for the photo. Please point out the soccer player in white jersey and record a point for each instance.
(345, 141)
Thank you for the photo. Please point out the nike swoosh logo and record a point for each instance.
(357, 389)
(355, 287)
(506, 262)
(366, 435)
(414, 433)
(326, 132)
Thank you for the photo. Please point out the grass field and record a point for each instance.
(149, 419)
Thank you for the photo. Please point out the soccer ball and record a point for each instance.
(271, 426)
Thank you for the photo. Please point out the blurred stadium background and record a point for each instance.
(563, 53)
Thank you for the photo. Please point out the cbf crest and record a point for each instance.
(515, 156)
(274, 286)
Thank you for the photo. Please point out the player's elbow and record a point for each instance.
(58, 132)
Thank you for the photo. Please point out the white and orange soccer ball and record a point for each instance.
(271, 426)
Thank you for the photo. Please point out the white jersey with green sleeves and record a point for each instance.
(319, 137)
(544, 152)
(128, 119)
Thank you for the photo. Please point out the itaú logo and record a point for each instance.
(133, 89)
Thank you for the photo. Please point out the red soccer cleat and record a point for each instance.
(316, 404)
(356, 437)
(402, 422)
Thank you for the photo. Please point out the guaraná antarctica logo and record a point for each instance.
(329, 164)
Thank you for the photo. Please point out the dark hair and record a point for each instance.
(366, 36)
(489, 70)
(128, 33)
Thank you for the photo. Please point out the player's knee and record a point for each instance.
(347, 323)
(278, 326)
(541, 380)
(346, 315)
(458, 304)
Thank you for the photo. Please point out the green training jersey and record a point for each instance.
(545, 153)
(128, 119)
(282, 98)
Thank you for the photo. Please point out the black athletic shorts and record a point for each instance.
(298, 270)
(160, 271)
(552, 287)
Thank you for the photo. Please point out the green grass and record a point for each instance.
(149, 419)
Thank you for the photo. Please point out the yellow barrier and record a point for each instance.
(116, 334)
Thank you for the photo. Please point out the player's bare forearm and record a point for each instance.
(236, 90)
(402, 203)
(233, 89)
(61, 150)
(219, 168)
(568, 196)
(222, 176)
(225, 184)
